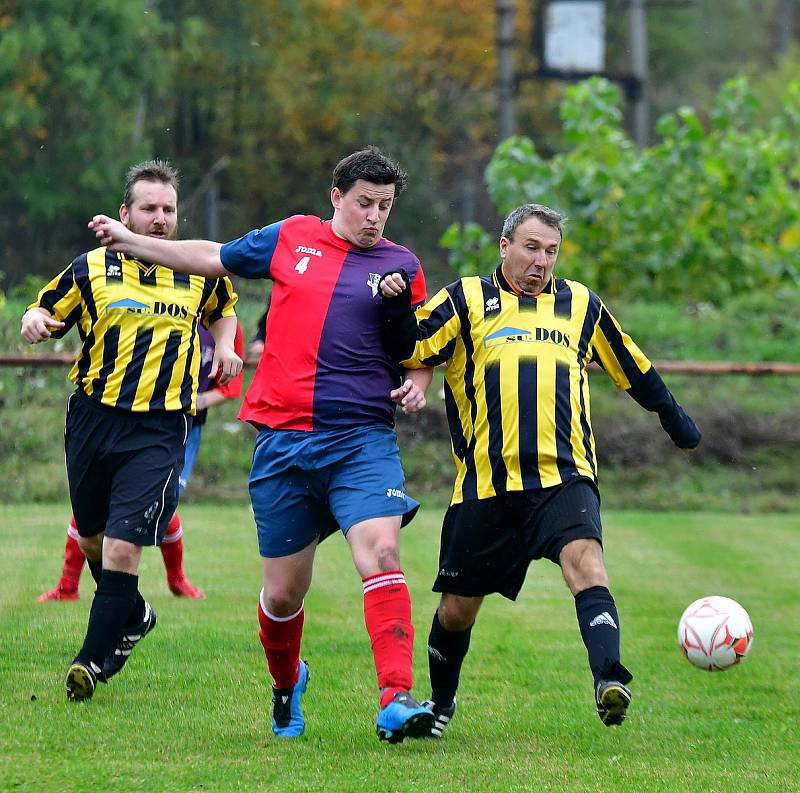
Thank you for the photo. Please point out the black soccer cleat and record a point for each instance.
(441, 716)
(119, 656)
(81, 680)
(612, 699)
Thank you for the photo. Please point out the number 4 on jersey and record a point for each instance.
(302, 265)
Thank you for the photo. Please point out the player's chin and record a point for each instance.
(367, 239)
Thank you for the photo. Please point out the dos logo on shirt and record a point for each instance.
(158, 308)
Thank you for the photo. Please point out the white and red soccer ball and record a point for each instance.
(715, 633)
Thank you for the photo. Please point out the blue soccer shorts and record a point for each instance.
(306, 485)
(190, 455)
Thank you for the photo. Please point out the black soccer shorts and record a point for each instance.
(123, 469)
(487, 544)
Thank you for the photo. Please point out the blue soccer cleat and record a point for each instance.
(287, 717)
(403, 718)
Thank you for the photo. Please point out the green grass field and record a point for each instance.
(191, 710)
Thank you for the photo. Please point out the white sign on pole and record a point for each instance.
(574, 36)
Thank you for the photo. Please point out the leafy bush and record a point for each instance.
(699, 217)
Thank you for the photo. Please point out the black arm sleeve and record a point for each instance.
(398, 324)
(651, 393)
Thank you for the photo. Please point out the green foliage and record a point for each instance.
(70, 83)
(190, 712)
(72, 80)
(700, 216)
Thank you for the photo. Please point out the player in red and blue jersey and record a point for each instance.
(323, 400)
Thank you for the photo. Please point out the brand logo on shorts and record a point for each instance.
(150, 512)
(393, 492)
(603, 619)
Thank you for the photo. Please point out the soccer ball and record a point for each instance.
(715, 633)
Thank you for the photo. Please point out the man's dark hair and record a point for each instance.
(518, 216)
(150, 171)
(371, 166)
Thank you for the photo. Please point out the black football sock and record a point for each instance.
(137, 612)
(113, 602)
(599, 624)
(95, 568)
(446, 653)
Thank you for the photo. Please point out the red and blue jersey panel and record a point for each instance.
(323, 365)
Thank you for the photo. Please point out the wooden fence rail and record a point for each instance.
(762, 368)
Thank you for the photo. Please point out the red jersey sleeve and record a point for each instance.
(419, 292)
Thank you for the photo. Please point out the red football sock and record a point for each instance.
(172, 549)
(73, 561)
(387, 615)
(280, 638)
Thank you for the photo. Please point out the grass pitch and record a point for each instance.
(191, 710)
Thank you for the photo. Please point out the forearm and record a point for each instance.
(211, 398)
(224, 332)
(651, 392)
(398, 326)
(200, 257)
(420, 377)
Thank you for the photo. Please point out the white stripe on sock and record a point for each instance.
(388, 579)
(272, 616)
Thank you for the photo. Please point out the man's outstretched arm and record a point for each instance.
(200, 257)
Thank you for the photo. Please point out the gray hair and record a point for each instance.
(550, 217)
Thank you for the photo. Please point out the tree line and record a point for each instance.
(255, 101)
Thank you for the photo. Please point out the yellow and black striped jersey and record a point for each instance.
(138, 326)
(517, 385)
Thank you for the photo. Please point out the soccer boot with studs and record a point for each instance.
(287, 715)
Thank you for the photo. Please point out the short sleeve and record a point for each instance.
(250, 256)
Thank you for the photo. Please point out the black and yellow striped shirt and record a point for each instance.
(517, 385)
(138, 326)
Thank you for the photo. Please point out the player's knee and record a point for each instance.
(457, 613)
(92, 547)
(121, 555)
(582, 565)
(284, 598)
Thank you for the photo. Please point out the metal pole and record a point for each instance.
(506, 69)
(639, 56)
(786, 14)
